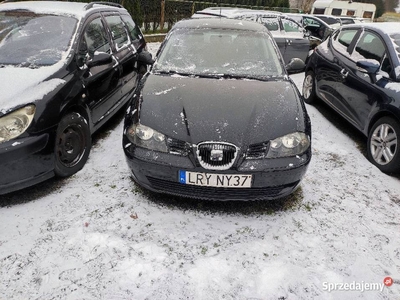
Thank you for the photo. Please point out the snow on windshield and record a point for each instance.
(30, 40)
(215, 51)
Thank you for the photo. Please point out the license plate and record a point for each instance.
(215, 180)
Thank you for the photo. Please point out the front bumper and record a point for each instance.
(25, 162)
(272, 178)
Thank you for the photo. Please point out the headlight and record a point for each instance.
(15, 123)
(288, 145)
(146, 137)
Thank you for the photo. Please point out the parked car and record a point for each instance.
(65, 69)
(217, 117)
(291, 38)
(334, 21)
(357, 72)
(317, 27)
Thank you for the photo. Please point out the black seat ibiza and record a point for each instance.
(65, 69)
(218, 117)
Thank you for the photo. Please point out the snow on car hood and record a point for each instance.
(234, 110)
(19, 86)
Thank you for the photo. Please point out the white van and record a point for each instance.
(365, 11)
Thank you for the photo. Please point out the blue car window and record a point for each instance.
(342, 40)
(369, 46)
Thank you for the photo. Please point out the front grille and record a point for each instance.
(257, 151)
(216, 155)
(222, 194)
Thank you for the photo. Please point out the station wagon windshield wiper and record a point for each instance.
(172, 72)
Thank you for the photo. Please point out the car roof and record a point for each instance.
(261, 12)
(232, 12)
(386, 30)
(389, 28)
(222, 23)
(326, 16)
(76, 9)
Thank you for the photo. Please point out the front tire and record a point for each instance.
(309, 88)
(383, 145)
(73, 143)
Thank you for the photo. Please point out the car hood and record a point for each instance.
(21, 86)
(231, 110)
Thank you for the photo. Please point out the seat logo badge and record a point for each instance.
(216, 155)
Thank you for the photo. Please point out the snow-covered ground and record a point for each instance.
(96, 235)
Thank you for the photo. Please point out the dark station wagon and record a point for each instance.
(65, 69)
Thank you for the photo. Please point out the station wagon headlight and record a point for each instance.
(146, 137)
(288, 145)
(14, 124)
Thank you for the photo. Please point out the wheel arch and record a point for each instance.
(378, 116)
(80, 109)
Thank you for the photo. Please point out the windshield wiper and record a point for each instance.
(243, 76)
(172, 72)
(217, 75)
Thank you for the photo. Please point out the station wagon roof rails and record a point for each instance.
(210, 14)
(91, 4)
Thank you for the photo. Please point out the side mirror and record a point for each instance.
(99, 59)
(146, 58)
(295, 65)
(370, 66)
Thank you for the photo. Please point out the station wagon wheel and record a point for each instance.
(309, 88)
(73, 143)
(383, 145)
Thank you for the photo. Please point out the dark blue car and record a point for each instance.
(357, 72)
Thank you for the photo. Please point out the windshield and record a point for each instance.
(220, 51)
(28, 39)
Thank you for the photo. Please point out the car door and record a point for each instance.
(329, 75)
(101, 80)
(361, 91)
(273, 25)
(297, 44)
(125, 54)
(317, 28)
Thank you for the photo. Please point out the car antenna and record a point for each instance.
(220, 9)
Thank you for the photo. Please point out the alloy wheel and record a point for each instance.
(308, 86)
(383, 144)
